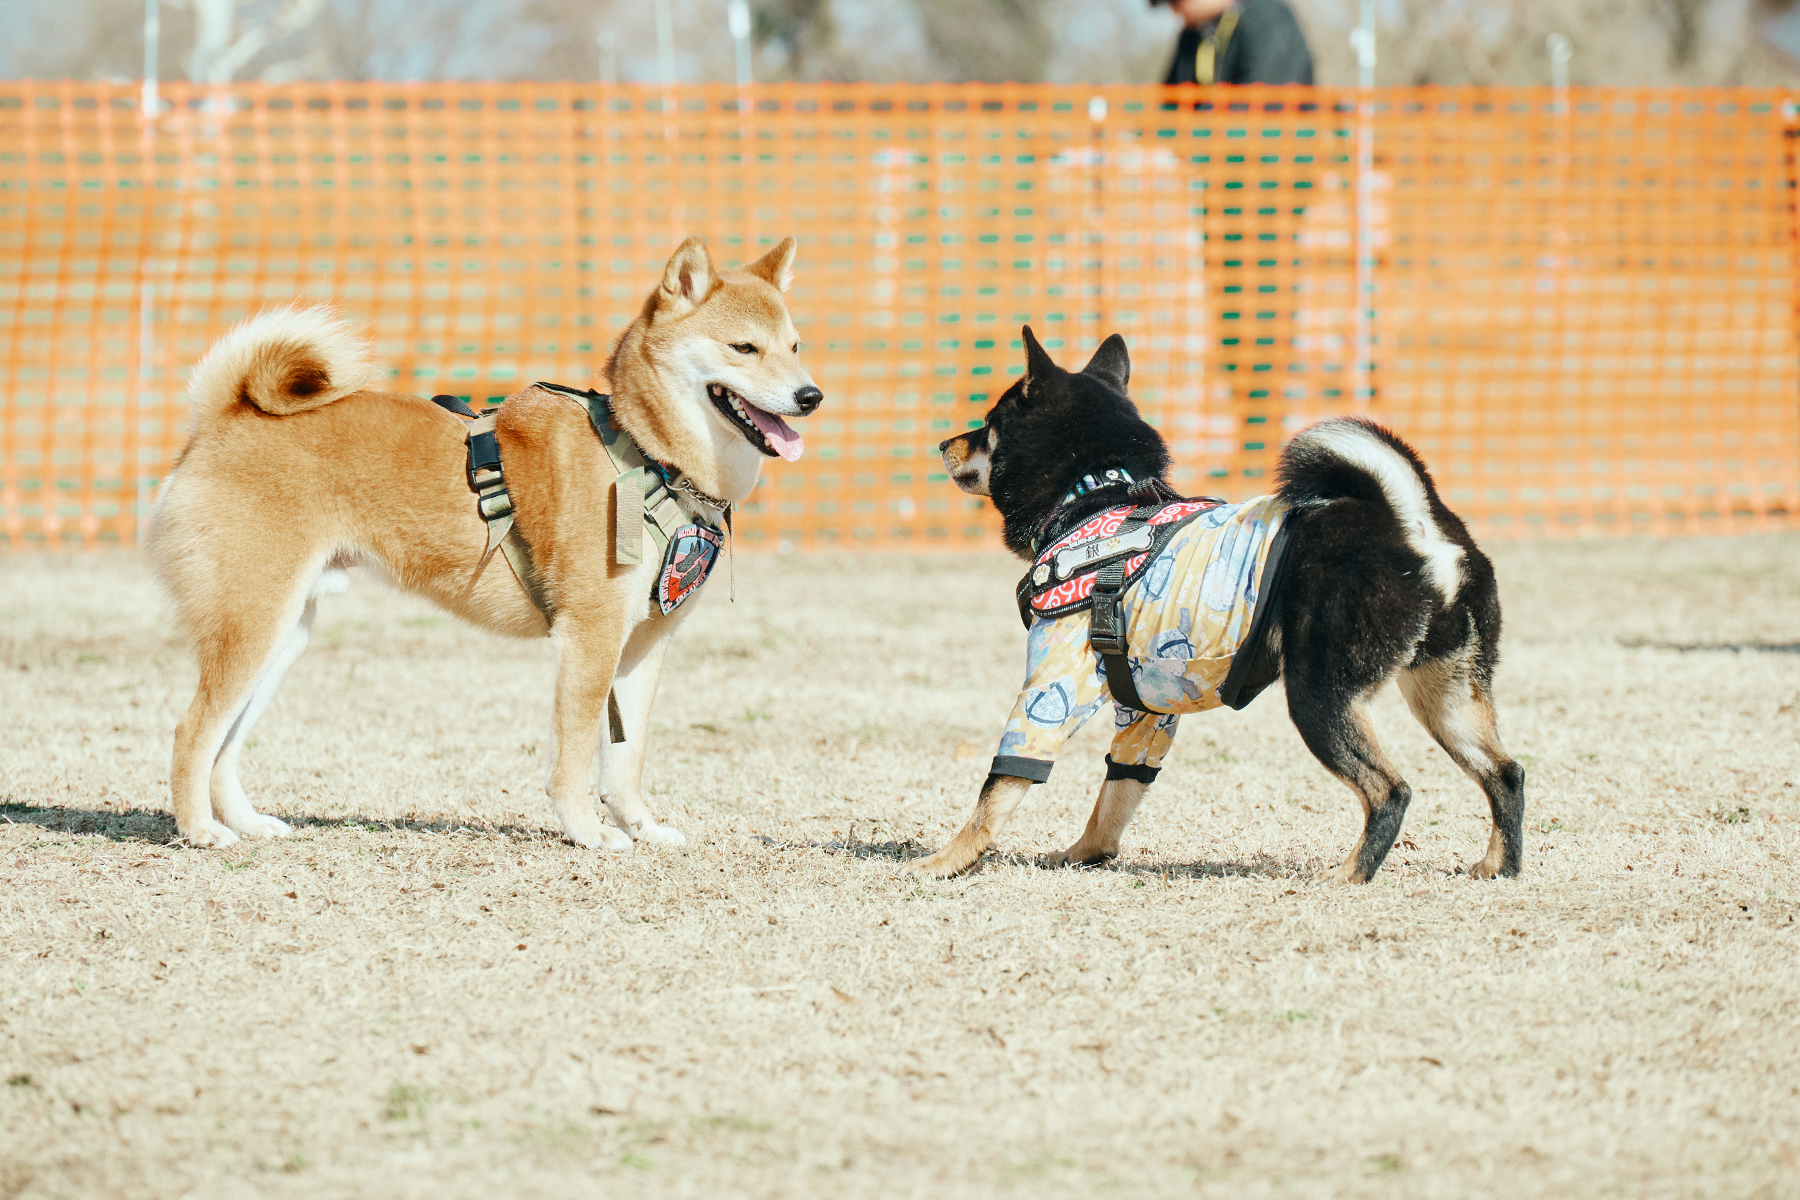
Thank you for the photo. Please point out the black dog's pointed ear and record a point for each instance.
(1038, 365)
(1111, 364)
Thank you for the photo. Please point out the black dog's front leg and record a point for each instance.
(1117, 804)
(1000, 795)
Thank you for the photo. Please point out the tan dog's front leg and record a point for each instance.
(624, 763)
(1000, 795)
(587, 658)
(1118, 803)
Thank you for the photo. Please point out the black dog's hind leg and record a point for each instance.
(1449, 699)
(1336, 729)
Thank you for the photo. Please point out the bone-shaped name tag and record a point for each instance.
(1076, 557)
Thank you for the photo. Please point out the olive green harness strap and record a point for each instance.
(644, 505)
(494, 503)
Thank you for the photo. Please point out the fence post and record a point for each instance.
(1362, 39)
(1790, 120)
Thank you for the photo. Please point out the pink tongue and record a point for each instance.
(787, 443)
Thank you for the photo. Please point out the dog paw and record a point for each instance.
(260, 825)
(661, 835)
(1482, 870)
(945, 864)
(591, 833)
(1343, 873)
(208, 832)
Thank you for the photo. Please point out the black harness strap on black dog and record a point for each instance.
(1239, 689)
(1106, 622)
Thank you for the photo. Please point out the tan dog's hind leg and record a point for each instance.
(622, 766)
(243, 655)
(1000, 795)
(229, 804)
(1118, 803)
(587, 657)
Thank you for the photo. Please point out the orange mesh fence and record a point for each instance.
(1582, 311)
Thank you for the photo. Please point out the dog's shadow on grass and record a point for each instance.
(1691, 647)
(1261, 866)
(158, 828)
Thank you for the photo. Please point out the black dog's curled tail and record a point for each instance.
(1352, 458)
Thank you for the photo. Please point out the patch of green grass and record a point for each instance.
(84, 659)
(754, 714)
(1382, 1164)
(1553, 825)
(18, 1081)
(734, 1123)
(1296, 1014)
(633, 1159)
(405, 1102)
(1041, 1165)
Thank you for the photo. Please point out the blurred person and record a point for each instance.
(1246, 41)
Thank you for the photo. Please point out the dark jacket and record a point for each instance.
(1265, 47)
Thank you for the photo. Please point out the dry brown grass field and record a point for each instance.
(427, 992)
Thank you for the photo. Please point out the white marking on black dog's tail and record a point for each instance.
(1349, 458)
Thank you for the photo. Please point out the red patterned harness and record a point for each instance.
(1091, 566)
(1061, 579)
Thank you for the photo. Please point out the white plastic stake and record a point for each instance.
(1362, 39)
(152, 102)
(737, 15)
(1561, 50)
(608, 46)
(665, 41)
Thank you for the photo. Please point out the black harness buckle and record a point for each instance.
(1106, 619)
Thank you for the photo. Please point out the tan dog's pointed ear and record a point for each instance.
(688, 279)
(777, 266)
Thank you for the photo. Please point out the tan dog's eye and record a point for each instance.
(743, 347)
(796, 347)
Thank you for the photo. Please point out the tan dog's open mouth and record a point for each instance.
(764, 430)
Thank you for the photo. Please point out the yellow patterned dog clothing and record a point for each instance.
(1186, 617)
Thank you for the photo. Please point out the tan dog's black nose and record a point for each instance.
(808, 398)
(945, 444)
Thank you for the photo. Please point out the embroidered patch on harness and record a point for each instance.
(693, 552)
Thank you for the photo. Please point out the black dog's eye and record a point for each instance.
(743, 347)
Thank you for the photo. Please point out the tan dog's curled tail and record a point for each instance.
(283, 361)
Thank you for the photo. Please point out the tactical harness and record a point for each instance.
(1091, 566)
(649, 497)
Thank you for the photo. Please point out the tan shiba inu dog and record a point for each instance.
(298, 467)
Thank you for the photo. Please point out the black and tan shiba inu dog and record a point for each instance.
(1353, 573)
